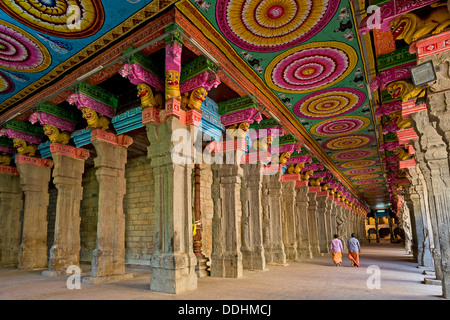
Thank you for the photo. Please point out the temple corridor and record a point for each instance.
(316, 279)
(219, 149)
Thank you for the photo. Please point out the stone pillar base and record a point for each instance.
(253, 259)
(173, 273)
(227, 266)
(432, 281)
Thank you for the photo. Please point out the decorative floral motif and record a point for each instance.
(61, 18)
(272, 25)
(20, 51)
(340, 126)
(348, 142)
(356, 154)
(310, 67)
(328, 103)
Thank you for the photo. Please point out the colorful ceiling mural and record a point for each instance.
(305, 56)
(43, 40)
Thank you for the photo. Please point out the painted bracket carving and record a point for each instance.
(53, 115)
(390, 75)
(94, 98)
(78, 153)
(117, 140)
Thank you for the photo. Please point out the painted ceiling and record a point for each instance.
(306, 53)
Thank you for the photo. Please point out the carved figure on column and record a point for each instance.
(97, 105)
(54, 135)
(5, 159)
(56, 122)
(24, 135)
(24, 148)
(195, 99)
(238, 130)
(295, 168)
(148, 98)
(410, 27)
(404, 90)
(315, 181)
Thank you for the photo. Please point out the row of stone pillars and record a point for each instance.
(260, 219)
(24, 243)
(428, 196)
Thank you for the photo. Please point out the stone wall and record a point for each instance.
(139, 211)
(51, 216)
(206, 207)
(88, 213)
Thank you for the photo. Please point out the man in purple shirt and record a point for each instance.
(336, 249)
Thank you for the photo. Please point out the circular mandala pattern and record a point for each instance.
(6, 84)
(348, 142)
(340, 126)
(272, 25)
(362, 171)
(356, 154)
(358, 164)
(371, 181)
(365, 176)
(61, 18)
(329, 103)
(20, 51)
(311, 67)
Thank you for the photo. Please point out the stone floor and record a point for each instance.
(317, 279)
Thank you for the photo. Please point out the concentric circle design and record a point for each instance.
(328, 103)
(362, 171)
(358, 164)
(339, 126)
(310, 67)
(20, 51)
(371, 181)
(6, 84)
(365, 176)
(61, 18)
(356, 154)
(272, 25)
(348, 142)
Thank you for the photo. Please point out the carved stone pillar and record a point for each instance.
(67, 177)
(272, 230)
(436, 175)
(226, 257)
(341, 219)
(422, 190)
(173, 261)
(108, 261)
(301, 208)
(321, 213)
(330, 216)
(251, 224)
(288, 218)
(312, 223)
(34, 179)
(10, 207)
